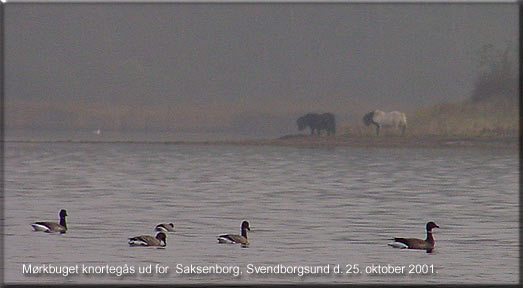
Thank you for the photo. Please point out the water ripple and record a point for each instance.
(305, 206)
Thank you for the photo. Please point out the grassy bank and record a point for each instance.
(490, 117)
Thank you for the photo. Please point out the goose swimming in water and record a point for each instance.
(415, 243)
(148, 240)
(52, 227)
(234, 238)
(165, 227)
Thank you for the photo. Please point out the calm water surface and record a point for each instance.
(306, 206)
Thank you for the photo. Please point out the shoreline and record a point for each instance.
(300, 140)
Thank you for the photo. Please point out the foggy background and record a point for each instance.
(249, 69)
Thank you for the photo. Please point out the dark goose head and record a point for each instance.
(62, 215)
(165, 227)
(245, 227)
(431, 225)
(162, 237)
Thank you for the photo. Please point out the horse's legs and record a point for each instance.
(403, 127)
(377, 130)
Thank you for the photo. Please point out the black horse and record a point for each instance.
(317, 122)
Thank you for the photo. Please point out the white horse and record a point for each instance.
(381, 119)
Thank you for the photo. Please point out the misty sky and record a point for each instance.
(241, 67)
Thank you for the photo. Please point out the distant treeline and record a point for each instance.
(499, 78)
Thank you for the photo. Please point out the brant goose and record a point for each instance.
(165, 227)
(148, 240)
(414, 243)
(236, 239)
(51, 227)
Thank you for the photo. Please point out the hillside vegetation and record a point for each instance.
(492, 109)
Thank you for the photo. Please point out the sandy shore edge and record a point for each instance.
(511, 143)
